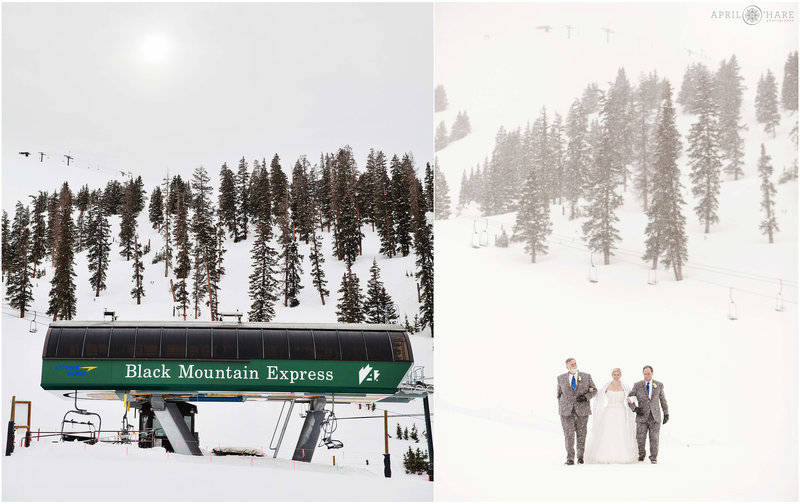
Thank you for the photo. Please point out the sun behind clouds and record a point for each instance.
(155, 48)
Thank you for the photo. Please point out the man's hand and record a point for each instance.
(638, 411)
(666, 418)
(581, 398)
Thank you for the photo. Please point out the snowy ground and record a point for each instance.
(507, 325)
(249, 424)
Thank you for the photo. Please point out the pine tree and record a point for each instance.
(347, 228)
(704, 155)
(767, 103)
(414, 435)
(19, 290)
(317, 258)
(349, 308)
(555, 146)
(666, 227)
(167, 211)
(138, 271)
(227, 201)
(729, 93)
(442, 193)
(789, 88)
(290, 258)
(62, 293)
(278, 183)
(441, 139)
(39, 232)
(183, 248)
(598, 230)
(300, 200)
(401, 193)
(423, 249)
(127, 227)
(6, 257)
(461, 127)
(260, 195)
(99, 232)
(618, 119)
(440, 99)
(399, 433)
(463, 191)
(577, 159)
(82, 204)
(203, 230)
(533, 218)
(242, 199)
(383, 206)
(263, 285)
(378, 306)
(155, 213)
(769, 225)
(139, 196)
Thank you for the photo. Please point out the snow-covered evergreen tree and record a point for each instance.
(704, 157)
(155, 212)
(440, 99)
(441, 193)
(378, 305)
(577, 157)
(598, 230)
(98, 233)
(6, 255)
(263, 283)
(729, 92)
(242, 198)
(138, 271)
(227, 201)
(127, 226)
(441, 139)
(461, 127)
(183, 247)
(383, 206)
(290, 258)
(767, 103)
(423, 249)
(768, 226)
(19, 289)
(789, 88)
(349, 308)
(666, 226)
(278, 183)
(533, 217)
(38, 231)
(317, 258)
(62, 292)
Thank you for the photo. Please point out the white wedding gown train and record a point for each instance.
(612, 439)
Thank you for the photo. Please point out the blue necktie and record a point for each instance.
(648, 390)
(573, 383)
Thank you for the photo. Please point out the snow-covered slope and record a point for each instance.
(731, 384)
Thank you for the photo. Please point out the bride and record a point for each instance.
(613, 436)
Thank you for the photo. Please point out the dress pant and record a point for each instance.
(574, 425)
(653, 427)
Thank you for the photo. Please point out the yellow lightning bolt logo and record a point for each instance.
(88, 368)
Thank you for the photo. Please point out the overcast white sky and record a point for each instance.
(233, 80)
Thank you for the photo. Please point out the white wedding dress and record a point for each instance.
(613, 436)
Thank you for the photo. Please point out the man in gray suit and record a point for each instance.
(650, 402)
(575, 389)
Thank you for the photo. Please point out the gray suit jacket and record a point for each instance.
(647, 405)
(566, 397)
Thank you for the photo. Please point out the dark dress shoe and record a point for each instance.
(580, 461)
(641, 458)
(569, 462)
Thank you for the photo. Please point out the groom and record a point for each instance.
(650, 401)
(574, 391)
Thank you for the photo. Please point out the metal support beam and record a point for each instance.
(171, 420)
(283, 430)
(309, 436)
(429, 430)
